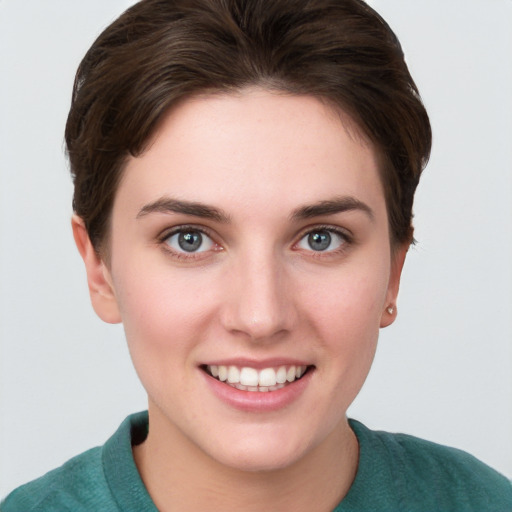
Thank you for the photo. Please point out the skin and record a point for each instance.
(256, 290)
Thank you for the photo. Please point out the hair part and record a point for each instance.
(160, 52)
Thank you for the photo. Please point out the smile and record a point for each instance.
(250, 379)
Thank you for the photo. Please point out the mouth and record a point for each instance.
(264, 380)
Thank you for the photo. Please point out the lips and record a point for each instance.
(247, 378)
(258, 387)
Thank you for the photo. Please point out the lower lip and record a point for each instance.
(256, 401)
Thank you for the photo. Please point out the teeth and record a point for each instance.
(263, 389)
(223, 373)
(281, 375)
(250, 379)
(267, 377)
(233, 375)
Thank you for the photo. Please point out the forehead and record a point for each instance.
(253, 149)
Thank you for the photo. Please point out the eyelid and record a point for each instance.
(169, 231)
(337, 230)
(174, 230)
(344, 232)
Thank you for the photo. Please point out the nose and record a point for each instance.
(259, 303)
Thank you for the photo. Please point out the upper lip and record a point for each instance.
(257, 364)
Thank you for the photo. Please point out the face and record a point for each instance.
(251, 266)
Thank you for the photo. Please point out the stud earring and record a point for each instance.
(390, 310)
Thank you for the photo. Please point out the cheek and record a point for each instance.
(346, 314)
(349, 300)
(164, 315)
(349, 322)
(165, 319)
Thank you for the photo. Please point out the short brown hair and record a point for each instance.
(162, 51)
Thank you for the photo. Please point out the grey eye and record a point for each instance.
(189, 241)
(321, 240)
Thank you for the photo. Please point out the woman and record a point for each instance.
(244, 178)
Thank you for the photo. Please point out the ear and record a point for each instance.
(99, 279)
(397, 264)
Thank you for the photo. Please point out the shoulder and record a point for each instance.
(425, 474)
(454, 476)
(68, 487)
(103, 478)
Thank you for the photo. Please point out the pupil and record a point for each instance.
(190, 241)
(319, 241)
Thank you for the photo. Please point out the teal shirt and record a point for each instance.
(396, 473)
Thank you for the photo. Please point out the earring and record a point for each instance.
(390, 310)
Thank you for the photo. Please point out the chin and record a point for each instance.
(259, 459)
(263, 449)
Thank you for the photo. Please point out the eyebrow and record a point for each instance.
(170, 205)
(331, 207)
(326, 207)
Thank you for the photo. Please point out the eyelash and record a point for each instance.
(164, 237)
(347, 241)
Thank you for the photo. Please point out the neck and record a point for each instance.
(180, 476)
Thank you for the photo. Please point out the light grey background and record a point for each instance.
(443, 371)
